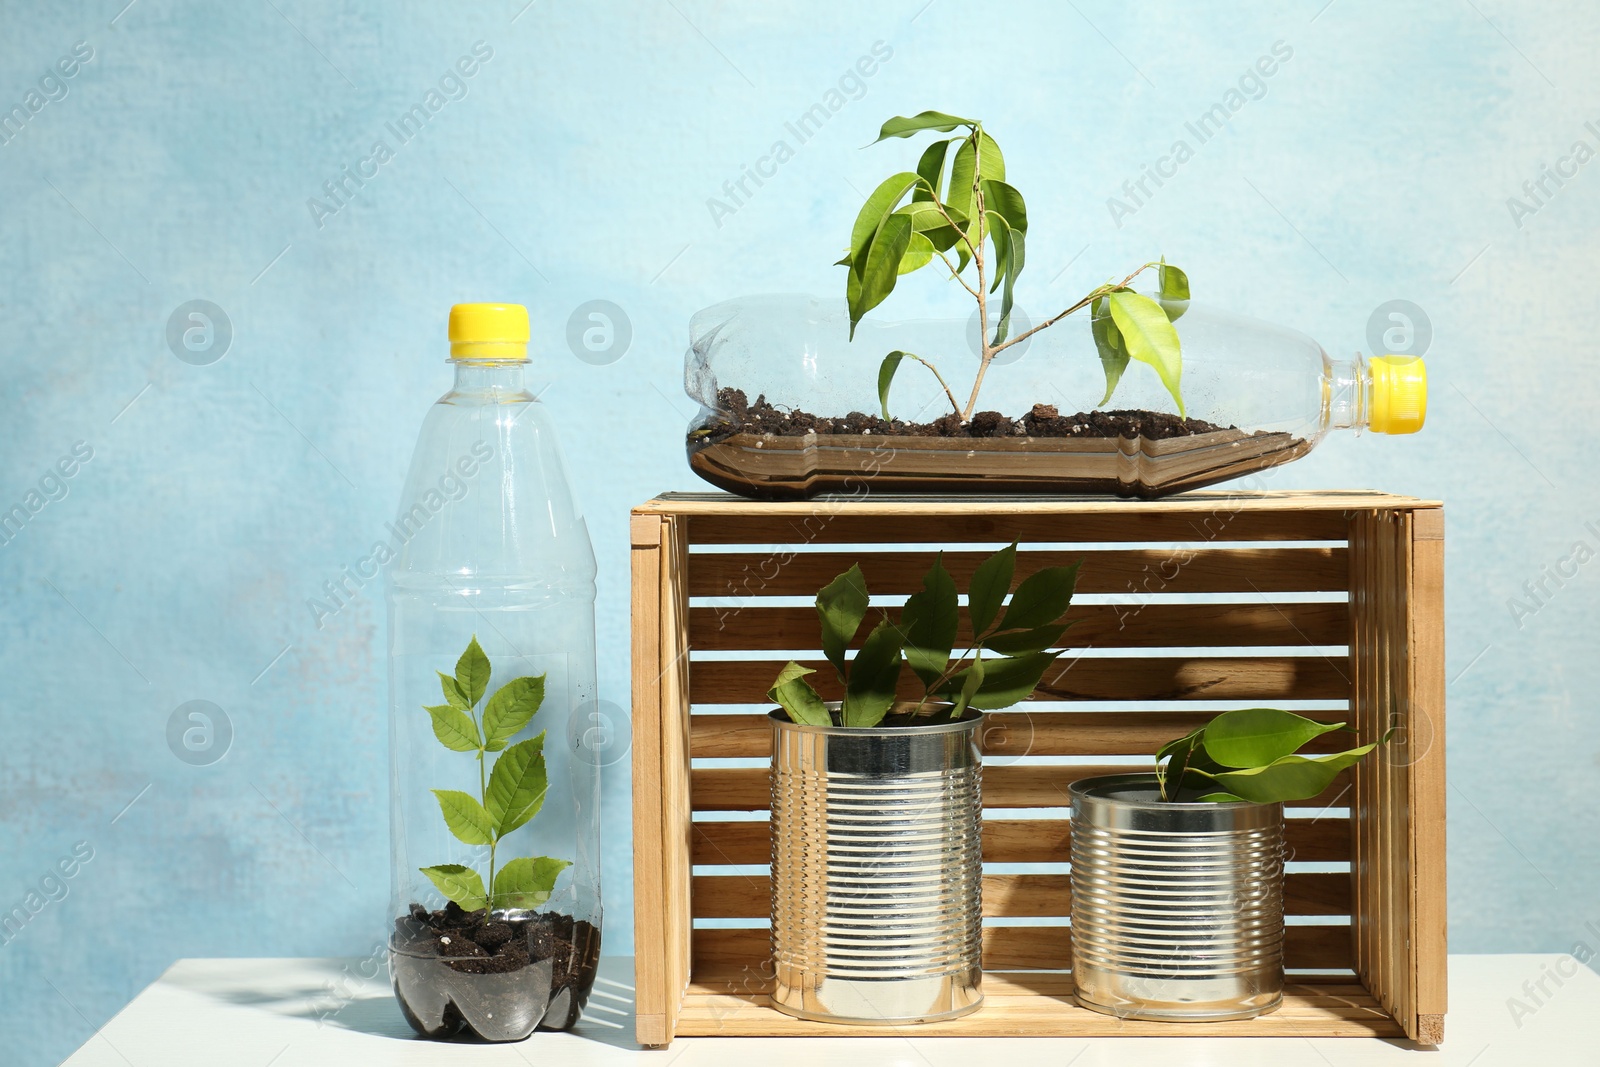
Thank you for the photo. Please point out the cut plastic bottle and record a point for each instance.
(790, 404)
(495, 796)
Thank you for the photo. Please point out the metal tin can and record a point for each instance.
(1177, 908)
(877, 871)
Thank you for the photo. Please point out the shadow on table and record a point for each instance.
(339, 993)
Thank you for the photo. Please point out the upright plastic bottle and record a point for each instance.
(494, 800)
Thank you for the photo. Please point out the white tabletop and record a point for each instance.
(320, 1013)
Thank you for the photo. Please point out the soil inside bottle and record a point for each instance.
(763, 451)
(498, 977)
(1043, 420)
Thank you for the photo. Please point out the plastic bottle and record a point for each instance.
(1269, 395)
(495, 551)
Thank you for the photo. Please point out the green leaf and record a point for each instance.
(1289, 778)
(882, 266)
(1041, 599)
(925, 216)
(458, 883)
(1000, 236)
(1024, 641)
(993, 167)
(1113, 353)
(1150, 337)
(900, 126)
(960, 194)
(1255, 737)
(841, 605)
(1222, 798)
(1000, 197)
(886, 369)
(510, 709)
(928, 623)
(472, 672)
(919, 253)
(882, 201)
(1012, 264)
(454, 729)
(527, 882)
(465, 816)
(452, 692)
(1008, 680)
(794, 694)
(516, 785)
(990, 584)
(1174, 285)
(930, 168)
(874, 676)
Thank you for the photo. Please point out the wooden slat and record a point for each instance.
(1032, 1007)
(649, 913)
(1109, 527)
(1194, 502)
(783, 572)
(1322, 948)
(852, 526)
(1314, 840)
(713, 979)
(755, 628)
(1265, 679)
(1017, 786)
(749, 896)
(1012, 733)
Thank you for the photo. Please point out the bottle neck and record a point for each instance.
(489, 379)
(1346, 394)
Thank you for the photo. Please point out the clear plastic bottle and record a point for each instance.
(495, 556)
(1255, 395)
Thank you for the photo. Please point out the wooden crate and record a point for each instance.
(1332, 601)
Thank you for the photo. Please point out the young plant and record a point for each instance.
(509, 795)
(924, 639)
(1252, 755)
(972, 211)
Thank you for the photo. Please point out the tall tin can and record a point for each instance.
(1177, 908)
(877, 871)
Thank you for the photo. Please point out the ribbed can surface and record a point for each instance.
(1177, 909)
(877, 871)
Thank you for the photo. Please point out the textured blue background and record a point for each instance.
(578, 166)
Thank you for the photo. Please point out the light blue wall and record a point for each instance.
(1377, 166)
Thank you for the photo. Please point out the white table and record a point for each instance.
(320, 1013)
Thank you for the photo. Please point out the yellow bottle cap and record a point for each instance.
(488, 331)
(1399, 394)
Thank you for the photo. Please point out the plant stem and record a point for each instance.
(936, 374)
(1096, 294)
(483, 799)
(987, 353)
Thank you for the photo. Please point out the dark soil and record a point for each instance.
(739, 415)
(497, 977)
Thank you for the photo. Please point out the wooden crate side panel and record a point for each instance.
(1425, 746)
(649, 912)
(675, 761)
(1398, 849)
